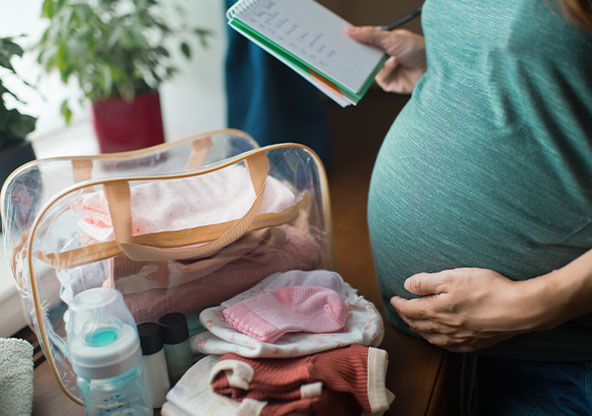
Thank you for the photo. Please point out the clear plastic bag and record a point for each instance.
(176, 228)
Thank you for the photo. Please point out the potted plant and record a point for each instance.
(15, 148)
(116, 51)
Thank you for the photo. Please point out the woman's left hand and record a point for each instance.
(467, 309)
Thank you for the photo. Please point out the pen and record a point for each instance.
(402, 20)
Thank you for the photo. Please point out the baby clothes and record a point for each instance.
(192, 396)
(289, 309)
(183, 203)
(300, 250)
(129, 276)
(356, 370)
(364, 326)
(322, 278)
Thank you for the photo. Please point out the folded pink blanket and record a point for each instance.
(220, 196)
(299, 251)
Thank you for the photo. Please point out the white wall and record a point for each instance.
(192, 102)
(195, 101)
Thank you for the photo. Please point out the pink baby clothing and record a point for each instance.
(323, 278)
(364, 326)
(300, 250)
(219, 196)
(289, 309)
(129, 276)
(356, 370)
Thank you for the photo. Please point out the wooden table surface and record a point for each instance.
(421, 376)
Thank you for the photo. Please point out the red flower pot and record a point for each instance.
(121, 126)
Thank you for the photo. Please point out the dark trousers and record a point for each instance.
(270, 101)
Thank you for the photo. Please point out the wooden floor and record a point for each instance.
(421, 376)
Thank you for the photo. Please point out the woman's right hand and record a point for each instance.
(407, 62)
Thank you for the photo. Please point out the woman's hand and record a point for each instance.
(407, 62)
(467, 309)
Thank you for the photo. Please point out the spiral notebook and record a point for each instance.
(311, 40)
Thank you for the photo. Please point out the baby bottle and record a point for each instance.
(106, 355)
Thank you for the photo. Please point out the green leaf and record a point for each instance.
(5, 63)
(203, 36)
(14, 126)
(107, 79)
(62, 60)
(47, 9)
(161, 50)
(66, 112)
(10, 48)
(186, 50)
(19, 125)
(4, 90)
(170, 71)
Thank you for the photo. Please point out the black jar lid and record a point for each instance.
(150, 337)
(174, 328)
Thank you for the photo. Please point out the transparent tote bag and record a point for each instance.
(178, 227)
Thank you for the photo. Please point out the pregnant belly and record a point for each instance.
(438, 203)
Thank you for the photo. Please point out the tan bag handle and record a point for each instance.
(118, 197)
(101, 251)
(199, 151)
(82, 170)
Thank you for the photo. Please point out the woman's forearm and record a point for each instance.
(562, 294)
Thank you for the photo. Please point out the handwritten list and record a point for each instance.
(315, 35)
(310, 44)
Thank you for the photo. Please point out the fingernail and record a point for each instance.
(352, 29)
(407, 284)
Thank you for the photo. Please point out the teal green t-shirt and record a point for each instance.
(490, 162)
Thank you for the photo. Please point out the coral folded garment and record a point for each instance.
(364, 326)
(192, 396)
(215, 197)
(354, 370)
(299, 250)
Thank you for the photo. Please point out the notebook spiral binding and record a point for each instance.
(240, 6)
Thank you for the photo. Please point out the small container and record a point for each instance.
(155, 366)
(175, 335)
(105, 354)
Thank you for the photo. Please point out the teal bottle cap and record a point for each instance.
(106, 352)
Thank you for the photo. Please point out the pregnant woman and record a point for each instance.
(480, 205)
